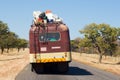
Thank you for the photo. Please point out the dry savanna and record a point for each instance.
(13, 62)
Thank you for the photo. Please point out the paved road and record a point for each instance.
(77, 71)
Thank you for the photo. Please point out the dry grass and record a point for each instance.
(12, 63)
(108, 63)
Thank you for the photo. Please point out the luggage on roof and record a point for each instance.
(45, 17)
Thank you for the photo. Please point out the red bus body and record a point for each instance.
(50, 43)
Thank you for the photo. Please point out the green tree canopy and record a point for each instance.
(9, 39)
(3, 35)
(21, 43)
(102, 37)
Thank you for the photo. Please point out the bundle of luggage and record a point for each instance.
(45, 17)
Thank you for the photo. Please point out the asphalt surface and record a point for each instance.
(77, 71)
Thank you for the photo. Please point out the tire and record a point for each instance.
(36, 67)
(32, 68)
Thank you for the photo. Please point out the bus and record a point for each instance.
(49, 47)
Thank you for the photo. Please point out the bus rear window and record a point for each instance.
(49, 36)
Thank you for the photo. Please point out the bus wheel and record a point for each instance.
(63, 67)
(32, 67)
(36, 67)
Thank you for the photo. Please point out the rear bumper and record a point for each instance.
(50, 57)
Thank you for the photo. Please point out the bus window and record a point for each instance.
(50, 36)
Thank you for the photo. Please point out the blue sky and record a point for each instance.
(18, 14)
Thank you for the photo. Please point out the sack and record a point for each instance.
(56, 18)
(36, 14)
(49, 16)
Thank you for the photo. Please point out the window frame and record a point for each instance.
(49, 40)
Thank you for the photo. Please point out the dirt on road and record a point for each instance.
(12, 63)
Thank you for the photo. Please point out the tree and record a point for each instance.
(3, 35)
(102, 37)
(84, 43)
(21, 43)
(75, 44)
(118, 33)
(11, 40)
(72, 44)
(118, 43)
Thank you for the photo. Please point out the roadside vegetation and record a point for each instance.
(101, 39)
(9, 39)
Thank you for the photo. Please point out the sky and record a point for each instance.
(76, 14)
